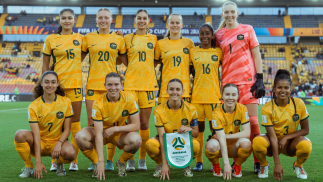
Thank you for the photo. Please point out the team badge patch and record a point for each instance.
(240, 37)
(185, 50)
(125, 113)
(214, 58)
(184, 121)
(113, 46)
(237, 122)
(76, 42)
(150, 45)
(90, 92)
(59, 115)
(295, 117)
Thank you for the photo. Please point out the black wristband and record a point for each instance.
(259, 76)
(60, 141)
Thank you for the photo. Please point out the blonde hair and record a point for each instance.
(103, 9)
(180, 17)
(222, 23)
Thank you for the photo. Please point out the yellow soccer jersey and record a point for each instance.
(175, 59)
(114, 114)
(104, 50)
(140, 74)
(283, 119)
(230, 123)
(172, 120)
(50, 117)
(206, 63)
(66, 53)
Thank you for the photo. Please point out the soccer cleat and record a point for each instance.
(237, 172)
(217, 170)
(263, 173)
(73, 167)
(91, 168)
(256, 167)
(26, 172)
(60, 170)
(198, 167)
(158, 170)
(142, 165)
(53, 167)
(109, 166)
(300, 172)
(131, 166)
(121, 168)
(188, 172)
(232, 166)
(95, 166)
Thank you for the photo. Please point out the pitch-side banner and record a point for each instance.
(178, 149)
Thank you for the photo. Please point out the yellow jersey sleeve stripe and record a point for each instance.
(160, 126)
(96, 120)
(267, 125)
(305, 118)
(245, 122)
(46, 54)
(218, 129)
(69, 116)
(33, 121)
(134, 113)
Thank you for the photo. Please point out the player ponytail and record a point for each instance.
(147, 29)
(222, 23)
(175, 80)
(60, 28)
(180, 17)
(39, 91)
(213, 44)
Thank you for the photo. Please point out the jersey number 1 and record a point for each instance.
(230, 48)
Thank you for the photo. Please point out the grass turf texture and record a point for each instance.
(13, 116)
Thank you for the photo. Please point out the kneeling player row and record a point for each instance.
(49, 118)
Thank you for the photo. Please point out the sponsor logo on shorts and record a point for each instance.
(240, 37)
(125, 113)
(76, 42)
(185, 50)
(113, 46)
(184, 121)
(237, 122)
(150, 45)
(90, 92)
(214, 58)
(59, 115)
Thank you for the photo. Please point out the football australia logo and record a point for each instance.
(125, 113)
(240, 37)
(184, 121)
(76, 42)
(113, 46)
(178, 143)
(214, 58)
(150, 45)
(185, 50)
(237, 122)
(90, 92)
(59, 115)
(295, 117)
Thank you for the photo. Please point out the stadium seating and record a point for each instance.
(272, 50)
(31, 20)
(303, 21)
(257, 21)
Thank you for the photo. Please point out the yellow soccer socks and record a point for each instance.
(145, 135)
(153, 150)
(260, 146)
(23, 150)
(75, 127)
(200, 140)
(111, 150)
(303, 151)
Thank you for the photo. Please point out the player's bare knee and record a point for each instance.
(243, 143)
(80, 138)
(212, 147)
(68, 152)
(20, 136)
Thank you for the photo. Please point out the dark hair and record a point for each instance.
(213, 44)
(113, 75)
(60, 28)
(229, 85)
(38, 90)
(147, 29)
(175, 80)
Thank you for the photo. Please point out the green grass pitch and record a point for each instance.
(13, 116)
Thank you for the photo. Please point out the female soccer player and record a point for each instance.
(140, 79)
(109, 113)
(227, 137)
(242, 64)
(206, 94)
(65, 49)
(49, 114)
(173, 53)
(104, 47)
(281, 117)
(174, 115)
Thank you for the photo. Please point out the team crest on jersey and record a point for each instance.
(295, 117)
(125, 113)
(59, 115)
(236, 122)
(150, 45)
(90, 92)
(240, 37)
(76, 42)
(184, 121)
(214, 58)
(185, 50)
(113, 46)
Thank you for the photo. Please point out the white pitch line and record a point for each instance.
(13, 109)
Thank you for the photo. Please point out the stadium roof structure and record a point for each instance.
(164, 3)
